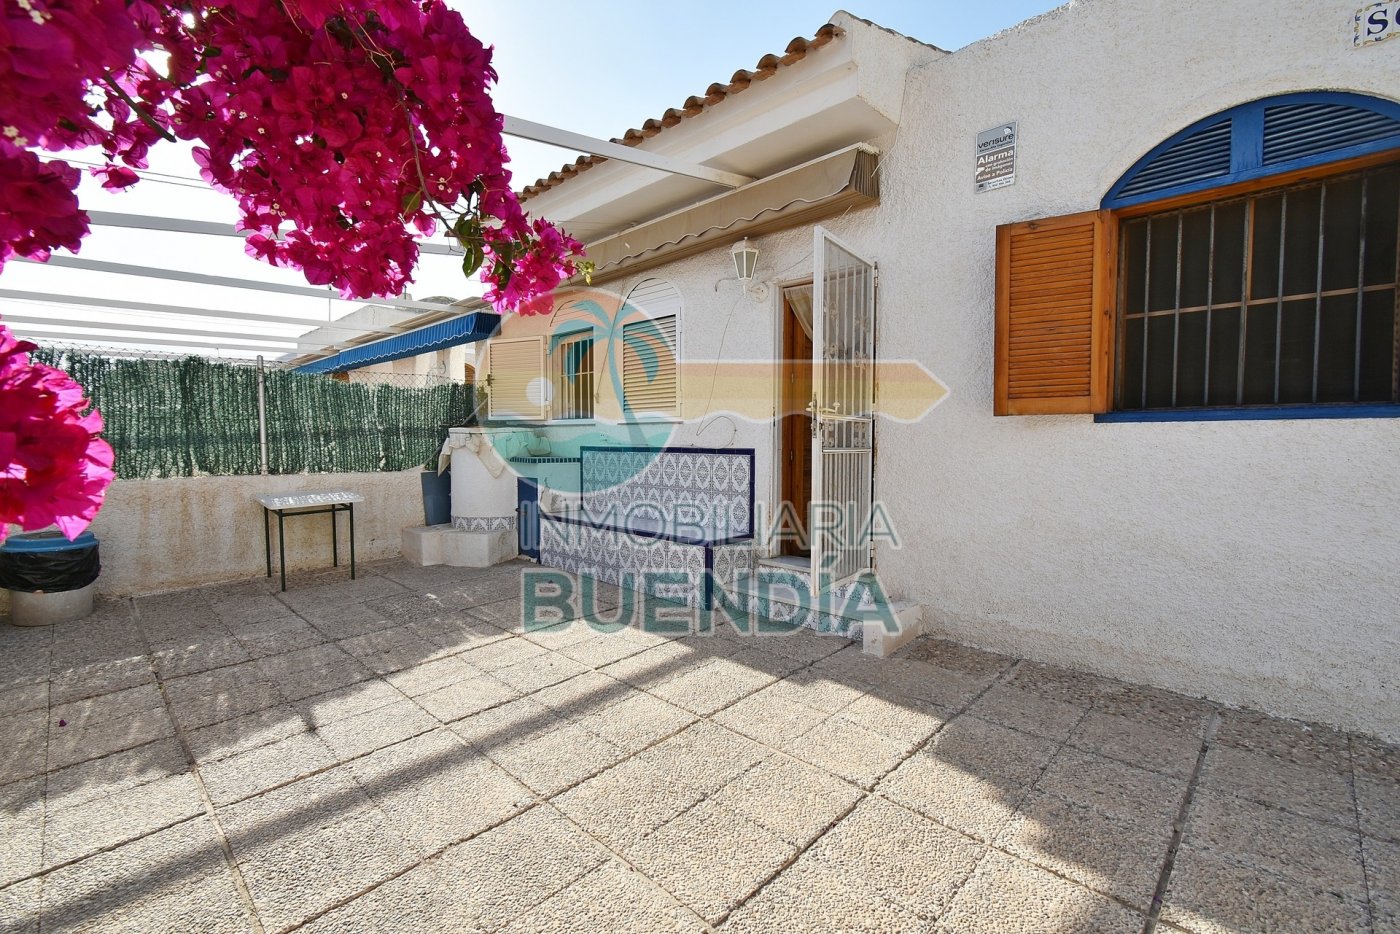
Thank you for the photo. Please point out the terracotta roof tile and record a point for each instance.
(767, 66)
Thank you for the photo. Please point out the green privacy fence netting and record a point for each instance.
(191, 417)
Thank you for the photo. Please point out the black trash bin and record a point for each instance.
(50, 579)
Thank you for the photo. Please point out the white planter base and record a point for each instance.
(458, 548)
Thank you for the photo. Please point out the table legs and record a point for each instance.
(352, 541)
(282, 538)
(282, 548)
(267, 539)
(335, 540)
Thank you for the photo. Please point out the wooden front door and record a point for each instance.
(796, 433)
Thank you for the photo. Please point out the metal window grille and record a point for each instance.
(1282, 297)
(572, 365)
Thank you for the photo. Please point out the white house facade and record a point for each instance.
(1158, 440)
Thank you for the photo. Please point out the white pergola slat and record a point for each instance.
(148, 329)
(199, 278)
(88, 337)
(185, 225)
(88, 301)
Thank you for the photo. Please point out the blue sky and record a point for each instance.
(602, 68)
(596, 69)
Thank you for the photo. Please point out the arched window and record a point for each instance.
(1247, 263)
(1267, 137)
(650, 349)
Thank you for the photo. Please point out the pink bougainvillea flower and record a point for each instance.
(54, 467)
(344, 129)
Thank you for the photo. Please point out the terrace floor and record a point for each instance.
(395, 754)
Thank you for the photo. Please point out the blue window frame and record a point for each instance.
(1262, 138)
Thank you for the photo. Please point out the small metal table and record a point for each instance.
(310, 503)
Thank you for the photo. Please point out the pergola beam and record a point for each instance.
(212, 228)
(564, 139)
(137, 343)
(156, 308)
(199, 278)
(148, 329)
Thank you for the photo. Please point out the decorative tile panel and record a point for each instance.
(676, 488)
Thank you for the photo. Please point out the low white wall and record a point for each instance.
(166, 534)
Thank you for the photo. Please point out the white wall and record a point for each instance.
(1252, 562)
(166, 534)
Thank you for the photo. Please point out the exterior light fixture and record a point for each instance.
(745, 261)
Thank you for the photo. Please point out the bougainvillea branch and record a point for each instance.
(54, 469)
(345, 130)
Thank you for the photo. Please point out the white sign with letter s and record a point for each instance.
(1377, 22)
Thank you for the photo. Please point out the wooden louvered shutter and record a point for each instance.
(1054, 331)
(517, 389)
(649, 367)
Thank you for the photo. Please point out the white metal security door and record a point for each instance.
(843, 411)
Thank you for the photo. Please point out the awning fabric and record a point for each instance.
(808, 192)
(464, 330)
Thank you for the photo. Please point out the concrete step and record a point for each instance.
(780, 594)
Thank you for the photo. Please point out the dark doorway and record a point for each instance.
(796, 421)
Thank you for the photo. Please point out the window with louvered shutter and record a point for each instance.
(649, 378)
(518, 389)
(1054, 315)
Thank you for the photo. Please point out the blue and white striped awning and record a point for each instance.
(464, 330)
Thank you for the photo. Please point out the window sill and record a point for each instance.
(654, 420)
(1252, 413)
(553, 422)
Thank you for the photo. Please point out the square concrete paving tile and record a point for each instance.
(1008, 896)
(705, 756)
(562, 757)
(502, 653)
(1302, 743)
(1065, 685)
(21, 829)
(255, 771)
(452, 634)
(626, 802)
(249, 608)
(656, 665)
(421, 901)
(538, 672)
(97, 778)
(1029, 712)
(24, 697)
(817, 690)
(904, 720)
(375, 729)
(345, 620)
(478, 692)
(605, 648)
(794, 800)
(1312, 853)
(278, 636)
(511, 723)
(104, 677)
(1375, 758)
(977, 805)
(190, 658)
(201, 699)
(956, 657)
(1383, 883)
(559, 636)
(435, 790)
(636, 720)
(710, 858)
(26, 739)
(19, 907)
(583, 695)
(306, 846)
(174, 880)
(510, 869)
(1147, 798)
(309, 682)
(1378, 802)
(1278, 783)
(807, 898)
(119, 817)
(1138, 743)
(1163, 709)
(390, 649)
(1211, 895)
(88, 737)
(1111, 855)
(230, 737)
(428, 676)
(714, 685)
(769, 717)
(903, 857)
(849, 750)
(981, 748)
(613, 898)
(343, 703)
